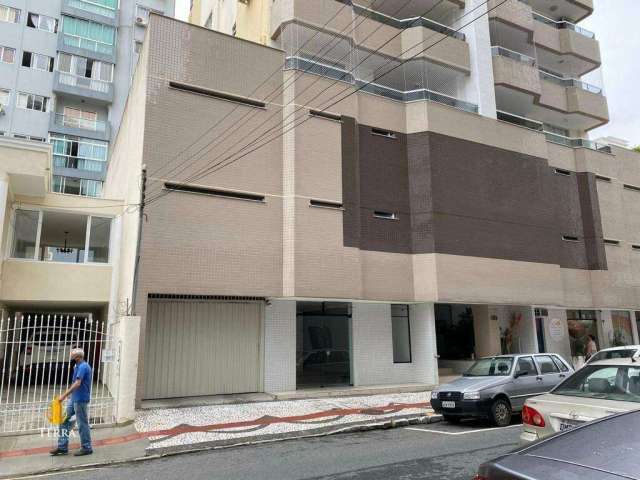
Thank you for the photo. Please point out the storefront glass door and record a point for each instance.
(323, 344)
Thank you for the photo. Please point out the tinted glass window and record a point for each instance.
(620, 383)
(525, 364)
(608, 355)
(560, 364)
(546, 365)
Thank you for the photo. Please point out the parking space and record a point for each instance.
(465, 427)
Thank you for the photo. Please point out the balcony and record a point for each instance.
(515, 71)
(81, 87)
(391, 30)
(552, 137)
(83, 47)
(574, 10)
(97, 11)
(66, 125)
(565, 47)
(514, 13)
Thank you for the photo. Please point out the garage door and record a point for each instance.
(202, 347)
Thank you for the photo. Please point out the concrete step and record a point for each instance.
(309, 393)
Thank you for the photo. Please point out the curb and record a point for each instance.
(396, 422)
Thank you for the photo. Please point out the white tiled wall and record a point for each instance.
(280, 346)
(373, 350)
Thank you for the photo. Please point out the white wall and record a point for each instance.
(372, 347)
(280, 346)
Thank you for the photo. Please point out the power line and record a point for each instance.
(268, 130)
(193, 159)
(217, 166)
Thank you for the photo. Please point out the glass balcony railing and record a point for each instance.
(550, 136)
(407, 22)
(84, 82)
(563, 24)
(340, 74)
(101, 7)
(498, 51)
(83, 123)
(569, 82)
(64, 161)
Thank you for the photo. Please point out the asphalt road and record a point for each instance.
(435, 452)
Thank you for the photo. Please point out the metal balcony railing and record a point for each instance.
(75, 122)
(552, 137)
(563, 24)
(340, 74)
(569, 82)
(407, 22)
(498, 51)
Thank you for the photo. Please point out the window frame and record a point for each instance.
(112, 46)
(3, 49)
(33, 63)
(7, 9)
(36, 253)
(536, 370)
(8, 92)
(38, 26)
(408, 320)
(32, 96)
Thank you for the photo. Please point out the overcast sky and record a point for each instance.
(616, 25)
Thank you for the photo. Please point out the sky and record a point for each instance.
(617, 28)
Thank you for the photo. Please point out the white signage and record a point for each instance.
(108, 356)
(556, 329)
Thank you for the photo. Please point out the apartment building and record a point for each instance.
(246, 19)
(430, 204)
(65, 71)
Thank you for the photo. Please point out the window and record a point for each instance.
(385, 215)
(633, 188)
(603, 382)
(490, 367)
(52, 236)
(214, 192)
(622, 329)
(37, 61)
(609, 241)
(560, 364)
(570, 238)
(526, 367)
(25, 231)
(76, 118)
(77, 186)
(325, 204)
(546, 365)
(33, 102)
(80, 153)
(581, 323)
(106, 8)
(401, 333)
(9, 14)
(613, 354)
(42, 22)
(7, 54)
(85, 67)
(382, 133)
(560, 171)
(4, 96)
(89, 35)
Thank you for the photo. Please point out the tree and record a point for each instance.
(637, 149)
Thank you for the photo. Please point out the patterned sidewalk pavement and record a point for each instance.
(217, 425)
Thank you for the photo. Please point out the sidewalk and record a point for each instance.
(169, 430)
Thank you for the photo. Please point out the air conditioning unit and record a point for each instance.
(141, 21)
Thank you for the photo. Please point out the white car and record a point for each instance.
(627, 351)
(46, 350)
(597, 390)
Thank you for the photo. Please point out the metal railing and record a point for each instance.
(498, 51)
(84, 82)
(340, 74)
(550, 136)
(75, 122)
(563, 24)
(408, 22)
(35, 368)
(569, 82)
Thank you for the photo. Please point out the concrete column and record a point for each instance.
(480, 88)
(423, 337)
(114, 259)
(128, 329)
(634, 327)
(605, 330)
(280, 346)
(556, 333)
(486, 331)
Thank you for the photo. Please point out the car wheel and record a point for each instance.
(501, 413)
(451, 419)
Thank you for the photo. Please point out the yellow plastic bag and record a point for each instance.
(56, 414)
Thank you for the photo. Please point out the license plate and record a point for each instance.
(448, 404)
(566, 426)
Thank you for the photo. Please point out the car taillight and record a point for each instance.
(480, 477)
(29, 350)
(530, 416)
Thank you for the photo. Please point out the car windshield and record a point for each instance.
(490, 367)
(609, 354)
(607, 382)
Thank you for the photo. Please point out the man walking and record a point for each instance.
(80, 391)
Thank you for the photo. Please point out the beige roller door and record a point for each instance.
(202, 347)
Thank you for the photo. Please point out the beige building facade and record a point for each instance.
(400, 223)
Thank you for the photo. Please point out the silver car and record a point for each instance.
(495, 387)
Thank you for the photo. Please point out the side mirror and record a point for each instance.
(521, 373)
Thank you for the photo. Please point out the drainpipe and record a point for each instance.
(143, 191)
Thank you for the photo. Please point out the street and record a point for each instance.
(436, 452)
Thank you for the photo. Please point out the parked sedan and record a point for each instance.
(606, 449)
(616, 352)
(495, 387)
(596, 390)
